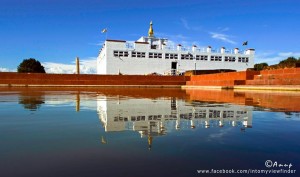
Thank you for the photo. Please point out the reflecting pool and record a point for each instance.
(53, 132)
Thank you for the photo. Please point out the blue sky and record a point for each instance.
(56, 31)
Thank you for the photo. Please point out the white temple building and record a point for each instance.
(154, 118)
(157, 117)
(150, 55)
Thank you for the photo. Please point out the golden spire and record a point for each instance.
(150, 32)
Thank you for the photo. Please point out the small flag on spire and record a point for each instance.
(245, 43)
(104, 30)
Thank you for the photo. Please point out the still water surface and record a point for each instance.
(145, 132)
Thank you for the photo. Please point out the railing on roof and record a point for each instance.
(202, 50)
(242, 52)
(131, 45)
(169, 48)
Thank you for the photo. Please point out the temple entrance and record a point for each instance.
(173, 68)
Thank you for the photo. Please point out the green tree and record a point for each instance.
(31, 65)
(289, 62)
(260, 66)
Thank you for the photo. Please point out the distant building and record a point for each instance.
(150, 55)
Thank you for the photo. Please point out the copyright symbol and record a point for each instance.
(269, 163)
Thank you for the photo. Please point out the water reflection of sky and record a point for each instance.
(168, 132)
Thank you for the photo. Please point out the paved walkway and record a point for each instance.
(269, 87)
(250, 87)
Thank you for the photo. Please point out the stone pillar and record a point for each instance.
(77, 66)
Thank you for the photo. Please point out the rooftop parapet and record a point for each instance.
(161, 45)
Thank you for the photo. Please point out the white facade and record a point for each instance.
(152, 55)
(160, 116)
(153, 118)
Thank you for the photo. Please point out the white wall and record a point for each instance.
(146, 107)
(102, 62)
(109, 64)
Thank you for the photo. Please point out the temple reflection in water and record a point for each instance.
(157, 117)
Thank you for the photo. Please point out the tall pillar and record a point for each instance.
(78, 101)
(77, 66)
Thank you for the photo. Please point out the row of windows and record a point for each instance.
(229, 59)
(141, 118)
(243, 59)
(155, 55)
(201, 57)
(200, 114)
(121, 53)
(215, 58)
(228, 114)
(139, 54)
(187, 57)
(183, 56)
(171, 56)
(212, 114)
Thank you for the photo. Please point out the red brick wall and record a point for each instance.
(243, 75)
(88, 79)
(222, 79)
(288, 76)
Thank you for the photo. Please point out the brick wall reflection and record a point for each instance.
(279, 101)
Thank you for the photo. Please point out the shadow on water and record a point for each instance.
(31, 100)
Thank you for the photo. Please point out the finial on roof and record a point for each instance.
(151, 32)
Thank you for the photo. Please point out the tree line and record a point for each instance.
(290, 62)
